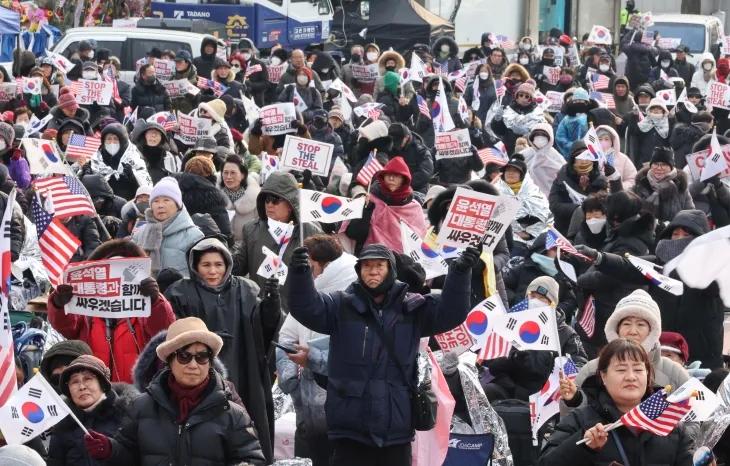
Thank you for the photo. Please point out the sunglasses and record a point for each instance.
(184, 357)
(272, 199)
(523, 96)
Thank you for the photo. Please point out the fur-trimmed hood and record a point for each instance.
(116, 247)
(436, 49)
(400, 62)
(512, 67)
(82, 114)
(227, 80)
(113, 407)
(472, 51)
(323, 60)
(681, 182)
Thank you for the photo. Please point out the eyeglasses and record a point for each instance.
(184, 357)
(522, 95)
(270, 198)
(85, 380)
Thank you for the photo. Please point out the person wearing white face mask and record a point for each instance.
(653, 131)
(482, 88)
(542, 159)
(90, 71)
(588, 225)
(445, 55)
(310, 96)
(705, 73)
(257, 83)
(665, 67)
(611, 146)
(119, 162)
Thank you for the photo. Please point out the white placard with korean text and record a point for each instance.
(277, 118)
(453, 144)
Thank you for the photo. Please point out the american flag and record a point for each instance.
(656, 414)
(505, 42)
(588, 319)
(76, 87)
(69, 198)
(460, 83)
(604, 98)
(110, 78)
(82, 146)
(499, 88)
(8, 382)
(489, 155)
(494, 347)
(218, 88)
(423, 107)
(444, 67)
(371, 167)
(57, 244)
(251, 70)
(554, 239)
(647, 37)
(18, 85)
(166, 119)
(570, 370)
(521, 306)
(600, 81)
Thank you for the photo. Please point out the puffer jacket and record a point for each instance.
(454, 64)
(639, 59)
(640, 144)
(85, 229)
(672, 199)
(683, 139)
(702, 79)
(217, 431)
(458, 170)
(247, 326)
(177, 238)
(290, 77)
(82, 115)
(656, 72)
(328, 135)
(204, 62)
(621, 161)
(151, 95)
(249, 256)
(17, 227)
(533, 214)
(644, 449)
(368, 400)
(201, 196)
(634, 236)
(245, 209)
(310, 97)
(67, 442)
(424, 125)
(97, 188)
(187, 102)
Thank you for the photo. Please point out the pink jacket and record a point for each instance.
(624, 166)
(385, 225)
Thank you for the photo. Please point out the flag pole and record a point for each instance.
(301, 224)
(103, 233)
(53, 393)
(370, 182)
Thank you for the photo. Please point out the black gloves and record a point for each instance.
(609, 170)
(300, 260)
(299, 126)
(307, 182)
(257, 129)
(149, 287)
(271, 288)
(63, 295)
(467, 260)
(590, 253)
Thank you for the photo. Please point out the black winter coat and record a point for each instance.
(458, 170)
(424, 125)
(418, 158)
(640, 145)
(561, 204)
(487, 96)
(217, 432)
(59, 118)
(84, 228)
(67, 446)
(672, 199)
(154, 157)
(634, 236)
(682, 139)
(310, 96)
(328, 135)
(639, 61)
(644, 449)
(201, 196)
(685, 70)
(125, 93)
(258, 82)
(151, 95)
(98, 187)
(391, 106)
(17, 228)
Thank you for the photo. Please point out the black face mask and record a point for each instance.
(548, 61)
(390, 68)
(319, 124)
(576, 108)
(142, 206)
(356, 58)
(55, 380)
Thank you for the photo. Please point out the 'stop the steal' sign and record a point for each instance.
(277, 118)
(95, 91)
(306, 154)
(109, 288)
(453, 144)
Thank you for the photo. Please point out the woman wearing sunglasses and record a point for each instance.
(185, 417)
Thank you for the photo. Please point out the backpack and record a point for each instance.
(516, 417)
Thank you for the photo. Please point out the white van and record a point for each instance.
(699, 33)
(131, 44)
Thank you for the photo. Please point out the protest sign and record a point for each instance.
(456, 341)
(277, 118)
(453, 145)
(365, 73)
(558, 52)
(725, 45)
(696, 162)
(669, 43)
(125, 23)
(177, 88)
(164, 69)
(307, 154)
(275, 73)
(474, 217)
(192, 129)
(717, 95)
(7, 91)
(99, 92)
(109, 288)
(552, 74)
(554, 101)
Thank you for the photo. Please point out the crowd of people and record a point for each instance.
(219, 335)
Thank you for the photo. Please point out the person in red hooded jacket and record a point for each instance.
(720, 114)
(390, 200)
(117, 342)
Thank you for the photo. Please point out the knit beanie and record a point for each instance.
(20, 455)
(675, 343)
(545, 286)
(657, 102)
(219, 107)
(200, 165)
(390, 82)
(637, 304)
(528, 87)
(306, 71)
(68, 100)
(167, 186)
(581, 94)
(7, 133)
(86, 362)
(517, 161)
(663, 155)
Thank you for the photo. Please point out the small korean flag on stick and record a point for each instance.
(272, 266)
(326, 208)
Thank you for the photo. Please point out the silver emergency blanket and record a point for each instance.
(482, 417)
(283, 403)
(294, 462)
(713, 428)
(533, 203)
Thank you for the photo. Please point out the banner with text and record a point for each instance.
(453, 145)
(277, 118)
(192, 129)
(99, 92)
(307, 154)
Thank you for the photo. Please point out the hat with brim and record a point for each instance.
(185, 332)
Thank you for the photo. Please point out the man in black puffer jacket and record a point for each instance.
(639, 59)
(204, 63)
(17, 226)
(84, 228)
(416, 155)
(685, 136)
(105, 201)
(201, 196)
(149, 91)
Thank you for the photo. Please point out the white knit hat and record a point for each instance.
(657, 102)
(167, 187)
(637, 304)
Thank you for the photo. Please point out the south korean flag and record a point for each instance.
(272, 266)
(326, 208)
(533, 329)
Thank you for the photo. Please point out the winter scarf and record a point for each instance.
(585, 176)
(609, 156)
(658, 185)
(186, 398)
(668, 249)
(234, 195)
(702, 126)
(515, 187)
(150, 238)
(661, 126)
